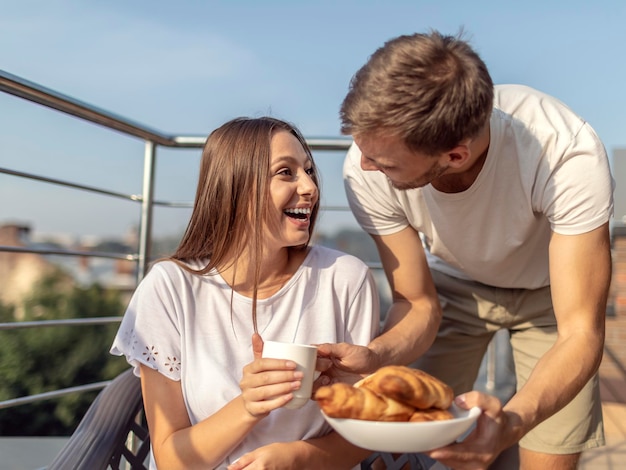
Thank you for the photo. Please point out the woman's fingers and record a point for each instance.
(268, 384)
(257, 345)
(260, 408)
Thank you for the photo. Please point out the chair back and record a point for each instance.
(113, 434)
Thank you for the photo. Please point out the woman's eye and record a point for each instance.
(310, 171)
(284, 172)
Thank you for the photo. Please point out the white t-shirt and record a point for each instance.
(546, 170)
(181, 324)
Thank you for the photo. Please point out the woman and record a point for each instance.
(243, 272)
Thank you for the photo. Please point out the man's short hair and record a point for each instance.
(431, 90)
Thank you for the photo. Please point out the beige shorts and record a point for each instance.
(472, 314)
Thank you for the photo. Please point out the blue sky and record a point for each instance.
(185, 67)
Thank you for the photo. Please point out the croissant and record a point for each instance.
(432, 414)
(341, 400)
(411, 386)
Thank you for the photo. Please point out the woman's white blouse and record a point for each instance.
(197, 330)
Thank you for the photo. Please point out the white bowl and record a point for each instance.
(405, 437)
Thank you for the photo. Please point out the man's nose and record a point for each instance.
(368, 165)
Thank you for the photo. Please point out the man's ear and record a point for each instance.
(458, 156)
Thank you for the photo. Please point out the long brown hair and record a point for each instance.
(431, 90)
(233, 188)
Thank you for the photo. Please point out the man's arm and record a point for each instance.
(413, 318)
(580, 275)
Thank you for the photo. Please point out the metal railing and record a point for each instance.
(153, 140)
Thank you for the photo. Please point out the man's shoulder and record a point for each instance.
(519, 89)
(535, 111)
(516, 99)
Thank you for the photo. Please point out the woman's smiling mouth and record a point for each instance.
(300, 213)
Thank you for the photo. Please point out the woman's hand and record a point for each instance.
(267, 384)
(279, 455)
(329, 451)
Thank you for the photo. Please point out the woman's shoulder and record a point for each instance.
(173, 270)
(332, 258)
(164, 266)
(171, 264)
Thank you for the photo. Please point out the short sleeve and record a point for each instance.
(371, 197)
(150, 332)
(578, 190)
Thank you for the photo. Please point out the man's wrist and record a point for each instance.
(377, 356)
(515, 427)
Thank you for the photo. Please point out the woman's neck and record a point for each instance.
(275, 272)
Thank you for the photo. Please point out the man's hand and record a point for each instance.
(494, 432)
(344, 362)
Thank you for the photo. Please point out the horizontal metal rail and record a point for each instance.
(30, 91)
(53, 394)
(69, 184)
(315, 143)
(63, 322)
(64, 252)
(92, 189)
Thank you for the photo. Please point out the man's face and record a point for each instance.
(404, 168)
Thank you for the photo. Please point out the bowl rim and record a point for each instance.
(465, 422)
(472, 414)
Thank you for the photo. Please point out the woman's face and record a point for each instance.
(293, 193)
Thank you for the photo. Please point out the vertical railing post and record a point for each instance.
(147, 205)
(490, 384)
(145, 237)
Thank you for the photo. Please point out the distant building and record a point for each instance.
(19, 271)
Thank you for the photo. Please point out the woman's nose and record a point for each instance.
(306, 185)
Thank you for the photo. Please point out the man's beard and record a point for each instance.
(432, 174)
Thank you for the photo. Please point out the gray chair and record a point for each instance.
(113, 434)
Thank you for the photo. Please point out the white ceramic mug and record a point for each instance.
(305, 357)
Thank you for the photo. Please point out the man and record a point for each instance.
(489, 207)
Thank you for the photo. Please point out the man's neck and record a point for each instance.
(462, 180)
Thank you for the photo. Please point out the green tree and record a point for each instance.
(42, 359)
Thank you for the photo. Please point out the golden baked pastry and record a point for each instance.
(341, 400)
(410, 386)
(431, 414)
(392, 393)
